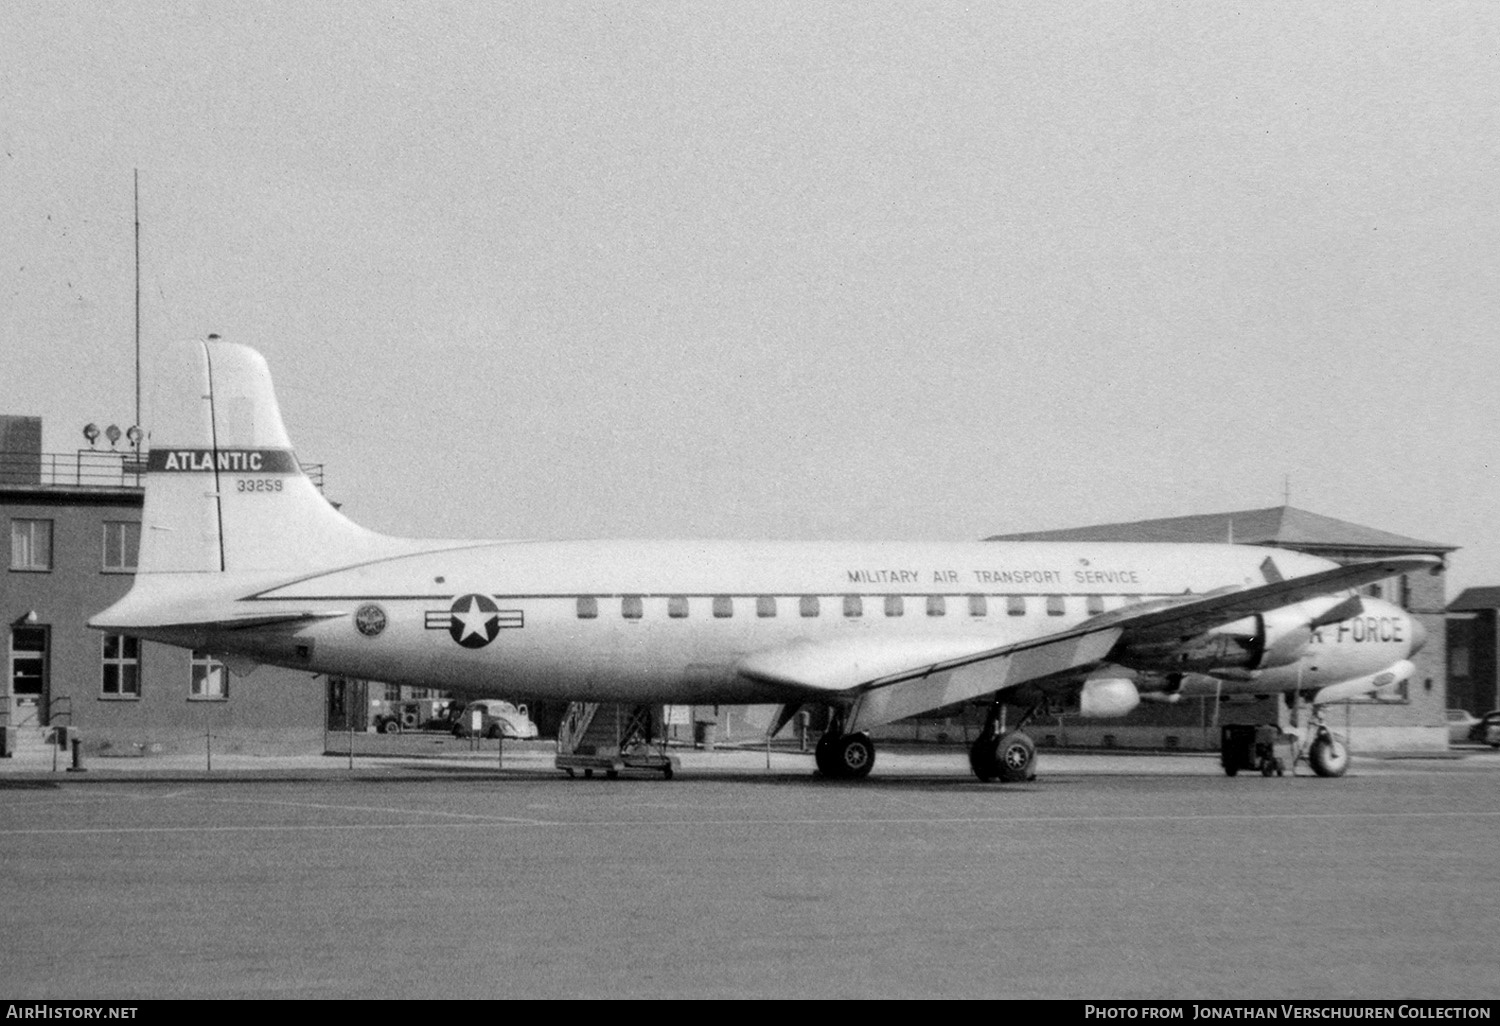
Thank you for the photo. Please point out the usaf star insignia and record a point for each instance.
(474, 620)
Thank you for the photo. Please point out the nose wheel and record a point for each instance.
(1328, 756)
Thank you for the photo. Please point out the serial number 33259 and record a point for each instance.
(258, 484)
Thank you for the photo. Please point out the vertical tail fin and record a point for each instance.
(224, 491)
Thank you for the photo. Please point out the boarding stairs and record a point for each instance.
(612, 738)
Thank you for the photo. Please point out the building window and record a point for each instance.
(1096, 604)
(808, 605)
(122, 667)
(978, 605)
(122, 546)
(854, 605)
(936, 606)
(677, 607)
(723, 606)
(765, 606)
(631, 607)
(210, 680)
(894, 606)
(588, 607)
(31, 544)
(1056, 605)
(1015, 605)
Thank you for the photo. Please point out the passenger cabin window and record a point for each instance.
(1096, 605)
(630, 607)
(1056, 605)
(723, 606)
(588, 607)
(978, 606)
(808, 605)
(1015, 605)
(765, 606)
(936, 606)
(854, 605)
(677, 607)
(894, 606)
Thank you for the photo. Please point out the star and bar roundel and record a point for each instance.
(473, 620)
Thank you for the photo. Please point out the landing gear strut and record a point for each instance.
(1326, 754)
(1006, 756)
(841, 756)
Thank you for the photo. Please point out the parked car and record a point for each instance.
(1461, 723)
(1487, 730)
(496, 718)
(412, 714)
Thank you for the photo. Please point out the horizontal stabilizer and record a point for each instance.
(242, 623)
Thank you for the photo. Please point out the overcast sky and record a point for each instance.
(785, 270)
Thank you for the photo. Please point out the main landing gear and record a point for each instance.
(843, 756)
(999, 754)
(1005, 755)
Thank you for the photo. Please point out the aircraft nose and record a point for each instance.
(1418, 635)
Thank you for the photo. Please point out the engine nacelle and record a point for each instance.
(1108, 696)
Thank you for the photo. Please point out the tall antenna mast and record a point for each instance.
(137, 422)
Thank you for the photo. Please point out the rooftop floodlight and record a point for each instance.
(113, 434)
(91, 432)
(134, 434)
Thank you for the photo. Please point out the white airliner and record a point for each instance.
(242, 556)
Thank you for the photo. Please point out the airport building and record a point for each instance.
(73, 521)
(1474, 651)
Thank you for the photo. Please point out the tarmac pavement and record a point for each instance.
(536, 757)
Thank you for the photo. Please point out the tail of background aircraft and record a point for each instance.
(224, 491)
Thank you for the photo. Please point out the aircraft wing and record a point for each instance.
(1187, 615)
(893, 678)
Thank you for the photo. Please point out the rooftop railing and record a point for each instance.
(92, 468)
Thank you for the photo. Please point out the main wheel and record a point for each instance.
(826, 756)
(982, 755)
(391, 727)
(1015, 758)
(1329, 756)
(850, 756)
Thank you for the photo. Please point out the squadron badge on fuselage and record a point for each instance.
(474, 620)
